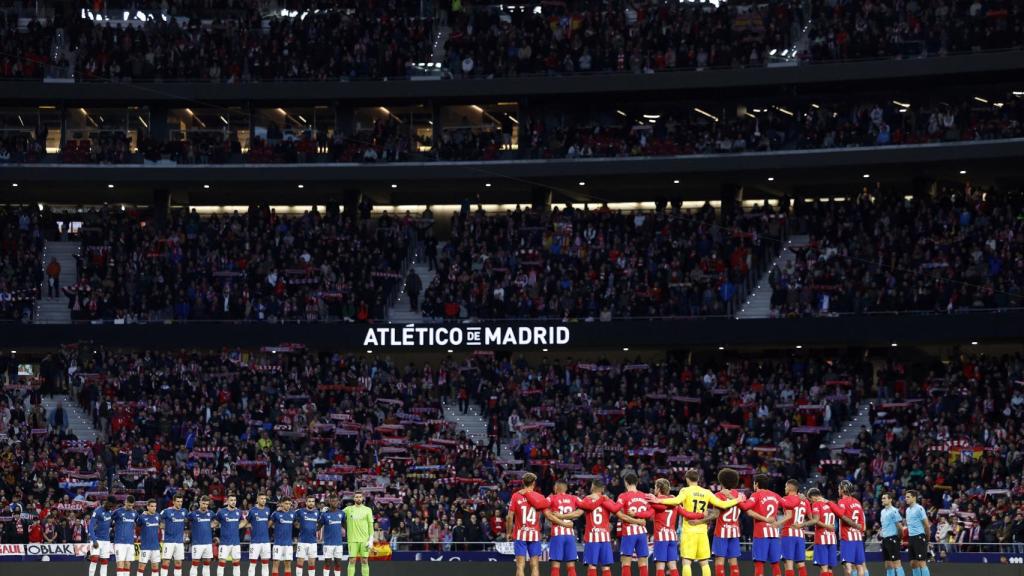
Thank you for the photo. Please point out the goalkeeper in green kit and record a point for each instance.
(359, 528)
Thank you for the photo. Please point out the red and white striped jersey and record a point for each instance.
(851, 508)
(526, 518)
(563, 504)
(666, 522)
(800, 507)
(728, 523)
(826, 513)
(767, 504)
(635, 504)
(599, 526)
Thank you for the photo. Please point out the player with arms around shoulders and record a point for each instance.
(124, 535)
(666, 539)
(331, 522)
(892, 527)
(695, 546)
(149, 539)
(258, 519)
(726, 545)
(524, 524)
(918, 528)
(597, 536)
(359, 529)
(99, 536)
(173, 520)
(823, 518)
(229, 523)
(633, 539)
(794, 545)
(200, 524)
(763, 506)
(282, 523)
(562, 545)
(851, 530)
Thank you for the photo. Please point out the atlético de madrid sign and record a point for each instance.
(445, 335)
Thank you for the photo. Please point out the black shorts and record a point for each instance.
(918, 548)
(891, 548)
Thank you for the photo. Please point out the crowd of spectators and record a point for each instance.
(957, 249)
(240, 42)
(598, 264)
(584, 36)
(891, 29)
(256, 265)
(297, 422)
(953, 431)
(22, 237)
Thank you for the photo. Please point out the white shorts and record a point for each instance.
(284, 552)
(149, 556)
(259, 551)
(124, 552)
(334, 552)
(174, 551)
(102, 551)
(202, 551)
(229, 552)
(305, 551)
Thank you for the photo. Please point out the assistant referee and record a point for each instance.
(918, 527)
(891, 527)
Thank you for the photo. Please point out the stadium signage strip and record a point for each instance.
(445, 335)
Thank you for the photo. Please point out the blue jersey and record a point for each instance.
(199, 525)
(258, 518)
(174, 524)
(229, 520)
(309, 520)
(890, 520)
(915, 520)
(149, 525)
(283, 524)
(124, 525)
(99, 524)
(332, 522)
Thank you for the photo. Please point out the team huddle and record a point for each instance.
(681, 524)
(161, 536)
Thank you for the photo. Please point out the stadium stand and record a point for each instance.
(244, 266)
(21, 260)
(964, 240)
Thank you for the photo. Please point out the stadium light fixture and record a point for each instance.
(771, 178)
(980, 99)
(620, 113)
(394, 185)
(675, 181)
(974, 342)
(798, 346)
(894, 345)
(625, 349)
(450, 350)
(867, 175)
(369, 351)
(110, 186)
(206, 186)
(487, 185)
(301, 186)
(962, 172)
(543, 349)
(582, 183)
(14, 184)
(721, 347)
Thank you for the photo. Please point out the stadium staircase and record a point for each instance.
(399, 311)
(55, 310)
(844, 437)
(79, 422)
(474, 425)
(759, 301)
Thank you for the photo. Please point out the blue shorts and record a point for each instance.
(528, 549)
(851, 552)
(562, 549)
(824, 554)
(597, 554)
(726, 547)
(793, 548)
(635, 544)
(767, 550)
(666, 551)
